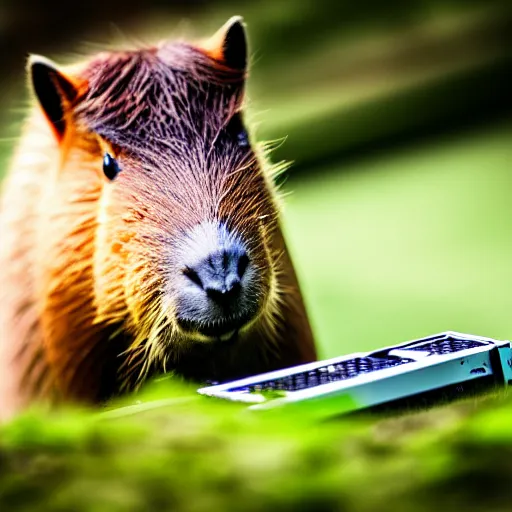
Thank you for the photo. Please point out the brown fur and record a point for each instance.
(86, 266)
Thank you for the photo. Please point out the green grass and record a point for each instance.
(408, 244)
(196, 455)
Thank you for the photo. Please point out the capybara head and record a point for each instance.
(186, 211)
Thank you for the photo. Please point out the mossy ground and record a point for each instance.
(194, 454)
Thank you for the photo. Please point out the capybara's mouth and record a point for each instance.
(223, 329)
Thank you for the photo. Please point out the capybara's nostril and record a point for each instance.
(193, 276)
(225, 294)
(243, 262)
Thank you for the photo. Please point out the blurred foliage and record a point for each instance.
(334, 78)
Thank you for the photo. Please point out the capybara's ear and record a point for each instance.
(54, 90)
(229, 44)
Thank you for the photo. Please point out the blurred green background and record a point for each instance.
(397, 116)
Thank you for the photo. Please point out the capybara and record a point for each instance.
(140, 229)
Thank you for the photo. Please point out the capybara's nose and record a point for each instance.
(220, 285)
(220, 274)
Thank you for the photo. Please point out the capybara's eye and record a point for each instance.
(237, 130)
(110, 166)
